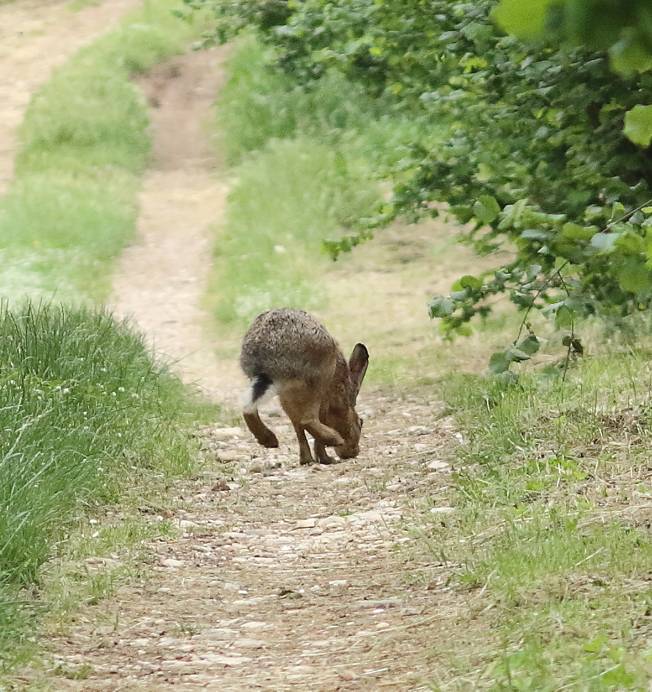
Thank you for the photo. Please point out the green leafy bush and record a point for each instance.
(535, 160)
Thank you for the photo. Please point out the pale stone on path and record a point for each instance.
(171, 563)
(225, 433)
(249, 643)
(256, 625)
(332, 522)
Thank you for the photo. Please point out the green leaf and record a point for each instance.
(499, 362)
(564, 317)
(604, 242)
(535, 234)
(573, 231)
(485, 172)
(463, 213)
(525, 19)
(630, 55)
(533, 271)
(470, 282)
(442, 306)
(631, 242)
(634, 276)
(516, 355)
(512, 214)
(638, 125)
(530, 345)
(486, 209)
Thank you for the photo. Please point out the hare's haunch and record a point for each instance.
(289, 353)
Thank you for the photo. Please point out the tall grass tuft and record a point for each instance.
(83, 411)
(285, 201)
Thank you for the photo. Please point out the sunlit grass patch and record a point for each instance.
(284, 202)
(84, 145)
(307, 164)
(552, 521)
(571, 601)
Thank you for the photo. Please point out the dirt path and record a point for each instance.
(36, 36)
(282, 577)
(161, 279)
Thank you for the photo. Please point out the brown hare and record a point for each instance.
(289, 353)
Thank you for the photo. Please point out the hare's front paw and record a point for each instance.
(322, 454)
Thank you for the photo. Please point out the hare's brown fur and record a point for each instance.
(291, 351)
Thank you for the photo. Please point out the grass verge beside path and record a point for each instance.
(85, 415)
(84, 144)
(552, 527)
(284, 202)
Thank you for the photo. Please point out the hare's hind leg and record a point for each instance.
(261, 388)
(301, 403)
(305, 457)
(259, 430)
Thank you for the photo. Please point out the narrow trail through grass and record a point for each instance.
(71, 207)
(161, 279)
(281, 576)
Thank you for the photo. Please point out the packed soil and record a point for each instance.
(280, 577)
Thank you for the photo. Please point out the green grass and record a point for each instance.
(88, 418)
(85, 414)
(552, 489)
(83, 148)
(284, 202)
(307, 165)
(259, 104)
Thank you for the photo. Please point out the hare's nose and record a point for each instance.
(348, 453)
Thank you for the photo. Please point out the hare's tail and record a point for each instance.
(261, 390)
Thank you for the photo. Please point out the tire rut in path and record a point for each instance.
(283, 577)
(162, 277)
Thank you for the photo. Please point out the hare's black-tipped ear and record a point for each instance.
(358, 364)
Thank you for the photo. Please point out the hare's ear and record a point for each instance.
(358, 365)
